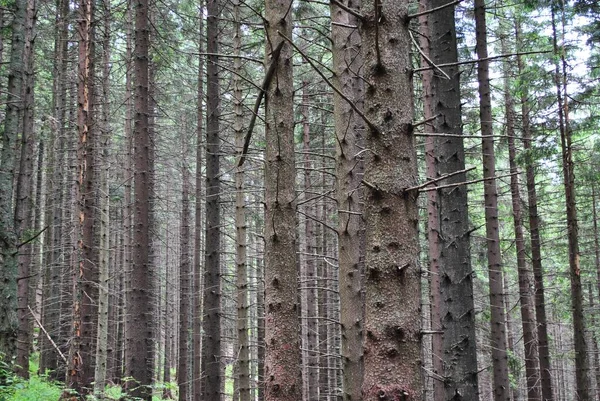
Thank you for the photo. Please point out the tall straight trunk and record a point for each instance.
(392, 363)
(139, 337)
(85, 296)
(14, 112)
(510, 342)
(597, 265)
(282, 357)
(260, 330)
(568, 169)
(185, 276)
(308, 270)
(243, 347)
(532, 372)
(24, 200)
(211, 355)
(498, 316)
(198, 272)
(536, 252)
(103, 222)
(349, 130)
(594, 341)
(456, 284)
(433, 211)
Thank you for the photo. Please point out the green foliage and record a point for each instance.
(14, 388)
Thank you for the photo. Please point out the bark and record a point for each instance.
(14, 113)
(433, 212)
(211, 355)
(536, 252)
(498, 317)
(185, 277)
(198, 290)
(24, 202)
(515, 370)
(139, 338)
(597, 265)
(527, 317)
(243, 354)
(594, 341)
(349, 130)
(282, 356)
(392, 362)
(308, 270)
(568, 169)
(456, 284)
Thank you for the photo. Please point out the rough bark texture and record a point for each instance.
(24, 200)
(211, 356)
(185, 278)
(498, 317)
(198, 228)
(581, 354)
(8, 241)
(456, 284)
(532, 372)
(243, 323)
(349, 130)
(282, 356)
(392, 362)
(139, 332)
(534, 233)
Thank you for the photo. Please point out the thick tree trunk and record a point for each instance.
(211, 356)
(282, 357)
(456, 285)
(24, 200)
(498, 316)
(349, 130)
(392, 362)
(139, 338)
(14, 112)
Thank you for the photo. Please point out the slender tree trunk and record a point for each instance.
(14, 113)
(597, 265)
(211, 356)
(185, 277)
(581, 354)
(243, 354)
(536, 253)
(198, 271)
(139, 336)
(392, 363)
(532, 372)
(349, 128)
(282, 357)
(498, 316)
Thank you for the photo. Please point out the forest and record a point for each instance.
(309, 200)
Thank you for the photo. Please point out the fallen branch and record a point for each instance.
(47, 335)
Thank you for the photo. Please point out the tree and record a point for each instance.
(392, 364)
(282, 354)
(501, 385)
(349, 128)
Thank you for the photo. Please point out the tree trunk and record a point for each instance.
(282, 357)
(211, 356)
(568, 168)
(14, 112)
(498, 316)
(392, 363)
(198, 271)
(536, 252)
(243, 354)
(24, 202)
(532, 372)
(139, 337)
(597, 265)
(349, 128)
(185, 276)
